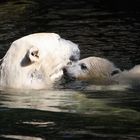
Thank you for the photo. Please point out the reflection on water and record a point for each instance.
(102, 28)
(62, 114)
(40, 100)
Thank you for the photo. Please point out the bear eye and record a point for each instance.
(83, 66)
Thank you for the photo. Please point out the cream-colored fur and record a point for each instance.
(36, 61)
(129, 77)
(102, 72)
(95, 69)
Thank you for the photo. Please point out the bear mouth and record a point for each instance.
(67, 77)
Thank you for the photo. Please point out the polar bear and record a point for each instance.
(94, 69)
(35, 61)
(101, 71)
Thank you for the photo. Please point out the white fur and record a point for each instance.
(36, 61)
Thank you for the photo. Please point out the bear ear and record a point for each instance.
(33, 54)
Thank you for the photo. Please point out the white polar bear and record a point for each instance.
(95, 69)
(36, 61)
(101, 71)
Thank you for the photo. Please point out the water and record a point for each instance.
(109, 30)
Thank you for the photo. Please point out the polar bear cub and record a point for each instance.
(36, 61)
(101, 71)
(95, 69)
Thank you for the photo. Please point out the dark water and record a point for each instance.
(109, 29)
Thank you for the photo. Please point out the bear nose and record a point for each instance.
(72, 58)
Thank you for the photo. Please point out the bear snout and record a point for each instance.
(67, 75)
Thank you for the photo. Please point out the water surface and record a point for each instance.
(105, 29)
